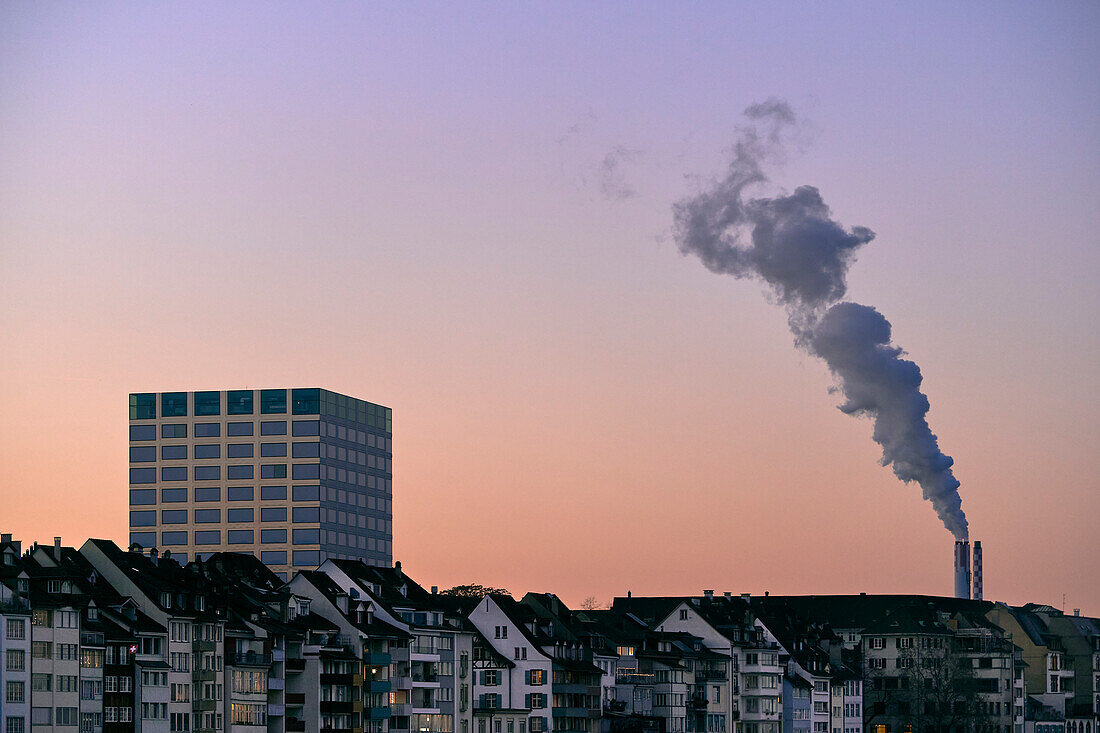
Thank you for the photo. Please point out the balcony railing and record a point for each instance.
(295, 664)
(293, 725)
(251, 659)
(91, 638)
(295, 698)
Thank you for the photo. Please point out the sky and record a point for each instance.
(464, 212)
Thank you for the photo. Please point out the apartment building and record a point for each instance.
(15, 640)
(292, 476)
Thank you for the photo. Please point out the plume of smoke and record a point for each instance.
(794, 246)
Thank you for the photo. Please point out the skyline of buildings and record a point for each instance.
(295, 476)
(102, 639)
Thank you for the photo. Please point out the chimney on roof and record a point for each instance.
(728, 595)
(57, 549)
(708, 594)
(5, 537)
(1077, 612)
(435, 590)
(628, 594)
(746, 597)
(397, 570)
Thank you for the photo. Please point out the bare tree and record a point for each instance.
(473, 591)
(591, 604)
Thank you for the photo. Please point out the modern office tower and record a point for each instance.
(294, 476)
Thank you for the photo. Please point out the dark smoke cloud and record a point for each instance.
(793, 245)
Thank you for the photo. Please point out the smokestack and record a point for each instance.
(962, 569)
(977, 594)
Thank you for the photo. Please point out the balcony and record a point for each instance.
(251, 659)
(295, 699)
(341, 678)
(377, 713)
(377, 659)
(277, 655)
(634, 678)
(295, 664)
(204, 645)
(275, 711)
(276, 683)
(204, 706)
(377, 686)
(341, 707)
(14, 605)
(293, 725)
(88, 638)
(203, 675)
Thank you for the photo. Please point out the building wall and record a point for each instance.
(292, 476)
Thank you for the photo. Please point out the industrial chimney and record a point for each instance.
(962, 569)
(977, 594)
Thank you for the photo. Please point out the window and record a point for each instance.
(273, 470)
(273, 557)
(238, 402)
(209, 493)
(208, 403)
(42, 649)
(15, 660)
(173, 404)
(173, 473)
(272, 493)
(306, 450)
(208, 537)
(15, 691)
(239, 450)
(273, 514)
(212, 450)
(490, 677)
(143, 406)
(41, 716)
(145, 539)
(143, 519)
(208, 473)
(538, 677)
(302, 514)
(239, 429)
(208, 429)
(306, 558)
(143, 453)
(16, 628)
(239, 515)
(272, 536)
(273, 427)
(239, 493)
(173, 452)
(307, 493)
(273, 401)
(176, 430)
(306, 428)
(15, 724)
(173, 538)
(139, 497)
(306, 401)
(272, 450)
(239, 473)
(307, 536)
(208, 516)
(304, 472)
(173, 496)
(240, 536)
(143, 475)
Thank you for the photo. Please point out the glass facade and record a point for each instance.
(339, 465)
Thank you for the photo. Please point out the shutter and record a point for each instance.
(527, 677)
(527, 701)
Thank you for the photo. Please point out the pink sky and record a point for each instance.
(405, 205)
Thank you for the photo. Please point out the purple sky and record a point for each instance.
(464, 213)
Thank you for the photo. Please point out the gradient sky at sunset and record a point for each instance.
(462, 211)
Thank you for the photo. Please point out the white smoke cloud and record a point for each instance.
(792, 244)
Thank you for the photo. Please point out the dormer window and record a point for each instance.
(93, 613)
(53, 586)
(166, 599)
(200, 603)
